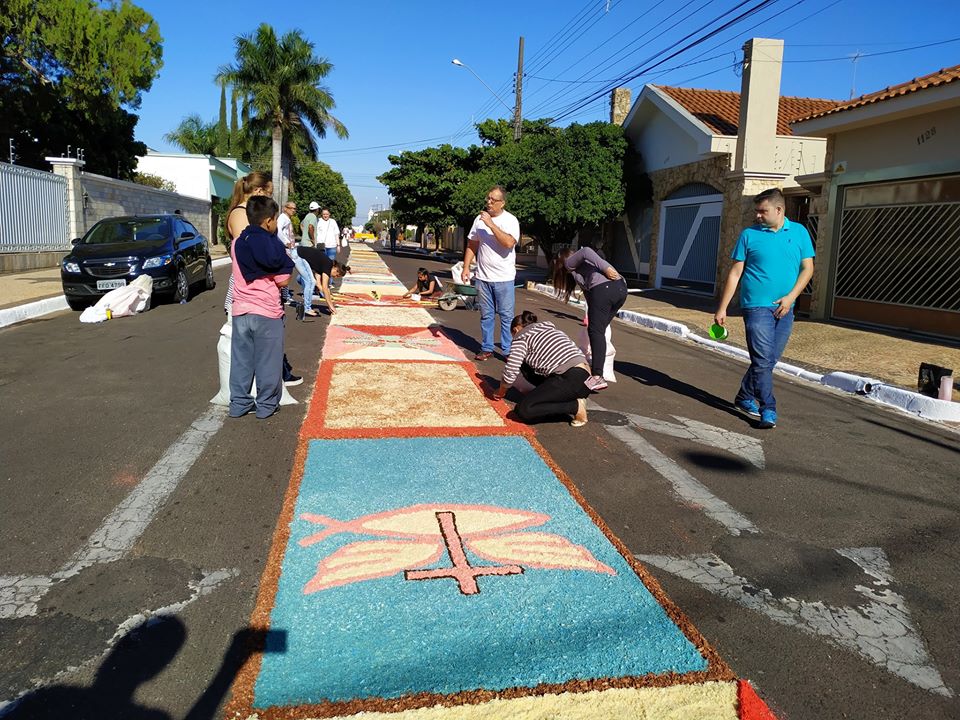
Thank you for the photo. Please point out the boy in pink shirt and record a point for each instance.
(261, 267)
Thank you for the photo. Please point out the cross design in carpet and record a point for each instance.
(418, 535)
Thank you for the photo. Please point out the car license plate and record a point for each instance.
(110, 284)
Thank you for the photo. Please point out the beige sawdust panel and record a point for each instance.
(382, 316)
(391, 290)
(705, 701)
(399, 395)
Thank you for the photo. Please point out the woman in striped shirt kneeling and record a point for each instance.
(553, 364)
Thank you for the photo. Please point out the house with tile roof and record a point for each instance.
(701, 156)
(888, 206)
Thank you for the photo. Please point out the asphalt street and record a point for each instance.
(820, 558)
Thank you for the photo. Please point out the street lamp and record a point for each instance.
(456, 62)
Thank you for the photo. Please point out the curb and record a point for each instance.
(904, 400)
(39, 308)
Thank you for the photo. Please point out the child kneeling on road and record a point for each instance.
(261, 267)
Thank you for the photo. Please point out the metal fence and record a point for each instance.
(33, 210)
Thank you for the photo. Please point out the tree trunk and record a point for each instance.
(277, 157)
(285, 182)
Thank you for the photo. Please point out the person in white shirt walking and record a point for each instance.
(493, 240)
(328, 234)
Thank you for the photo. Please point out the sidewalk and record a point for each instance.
(818, 346)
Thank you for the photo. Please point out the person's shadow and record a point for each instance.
(139, 656)
(655, 378)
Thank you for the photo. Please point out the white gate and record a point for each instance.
(689, 241)
(33, 210)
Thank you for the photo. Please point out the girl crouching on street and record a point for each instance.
(551, 361)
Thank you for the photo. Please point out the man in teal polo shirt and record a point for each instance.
(774, 260)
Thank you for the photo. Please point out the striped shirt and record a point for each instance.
(547, 350)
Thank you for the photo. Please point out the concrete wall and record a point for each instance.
(91, 198)
(107, 197)
(911, 141)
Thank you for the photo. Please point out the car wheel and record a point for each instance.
(208, 282)
(76, 304)
(182, 292)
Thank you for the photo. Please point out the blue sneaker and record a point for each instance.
(749, 407)
(768, 419)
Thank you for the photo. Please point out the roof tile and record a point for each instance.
(934, 79)
(719, 110)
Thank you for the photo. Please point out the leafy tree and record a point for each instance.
(557, 182)
(68, 68)
(41, 124)
(282, 78)
(154, 181)
(193, 135)
(318, 181)
(82, 47)
(422, 183)
(496, 133)
(223, 132)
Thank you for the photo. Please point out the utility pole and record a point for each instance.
(517, 114)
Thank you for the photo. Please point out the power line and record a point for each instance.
(643, 68)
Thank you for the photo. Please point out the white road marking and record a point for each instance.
(881, 630)
(206, 585)
(19, 594)
(744, 446)
(686, 487)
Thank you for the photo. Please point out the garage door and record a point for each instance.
(689, 240)
(898, 255)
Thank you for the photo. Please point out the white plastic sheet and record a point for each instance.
(121, 302)
(223, 360)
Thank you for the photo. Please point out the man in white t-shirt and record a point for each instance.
(304, 274)
(328, 234)
(492, 241)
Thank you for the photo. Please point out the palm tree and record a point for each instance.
(193, 135)
(282, 80)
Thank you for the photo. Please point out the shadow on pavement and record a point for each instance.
(139, 656)
(649, 376)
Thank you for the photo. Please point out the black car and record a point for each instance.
(117, 250)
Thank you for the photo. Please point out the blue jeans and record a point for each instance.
(305, 278)
(256, 351)
(331, 253)
(496, 299)
(766, 339)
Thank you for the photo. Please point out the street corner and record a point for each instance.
(408, 583)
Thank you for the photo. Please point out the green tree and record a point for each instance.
(282, 78)
(557, 182)
(154, 181)
(223, 131)
(84, 48)
(193, 135)
(68, 68)
(423, 182)
(317, 181)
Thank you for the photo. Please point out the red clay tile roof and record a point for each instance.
(719, 110)
(940, 77)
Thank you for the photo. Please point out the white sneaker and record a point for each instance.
(595, 383)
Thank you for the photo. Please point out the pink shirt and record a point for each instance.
(260, 297)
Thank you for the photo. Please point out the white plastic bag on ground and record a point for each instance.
(584, 345)
(456, 272)
(223, 360)
(127, 300)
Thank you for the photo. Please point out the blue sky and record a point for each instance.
(394, 84)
